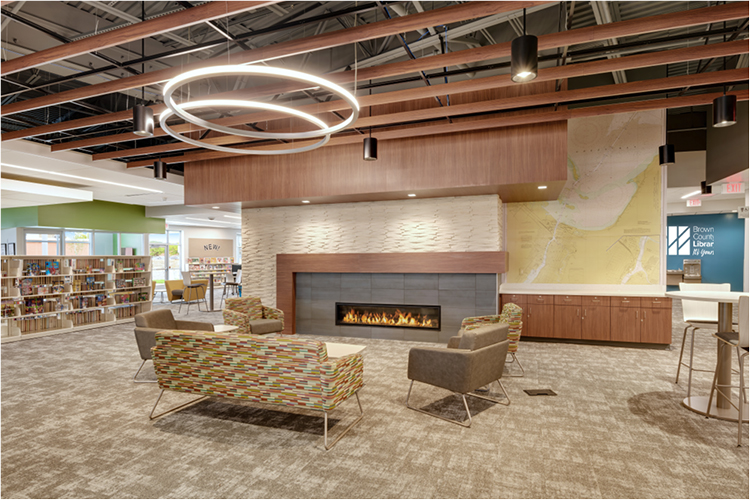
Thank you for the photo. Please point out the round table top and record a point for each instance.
(709, 296)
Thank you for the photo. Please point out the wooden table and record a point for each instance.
(720, 408)
(336, 350)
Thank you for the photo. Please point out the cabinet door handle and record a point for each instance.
(584, 314)
(636, 314)
(578, 312)
(644, 316)
(529, 312)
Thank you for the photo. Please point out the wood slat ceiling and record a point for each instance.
(422, 117)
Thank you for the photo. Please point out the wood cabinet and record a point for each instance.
(540, 316)
(600, 318)
(595, 318)
(567, 317)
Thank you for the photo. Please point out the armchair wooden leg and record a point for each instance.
(325, 425)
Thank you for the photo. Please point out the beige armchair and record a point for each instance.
(148, 323)
(252, 317)
(477, 360)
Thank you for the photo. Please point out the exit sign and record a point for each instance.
(733, 188)
(694, 203)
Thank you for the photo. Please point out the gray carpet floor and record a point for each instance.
(75, 426)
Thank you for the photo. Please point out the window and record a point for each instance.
(238, 260)
(42, 243)
(77, 243)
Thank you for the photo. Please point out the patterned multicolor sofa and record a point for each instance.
(511, 315)
(283, 371)
(252, 316)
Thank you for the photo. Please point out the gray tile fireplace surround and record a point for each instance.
(459, 295)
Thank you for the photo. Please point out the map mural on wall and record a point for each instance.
(605, 227)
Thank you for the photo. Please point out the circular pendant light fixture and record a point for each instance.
(524, 56)
(237, 70)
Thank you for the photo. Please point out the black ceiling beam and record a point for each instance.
(186, 50)
(60, 38)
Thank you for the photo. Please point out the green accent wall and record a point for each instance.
(19, 217)
(101, 215)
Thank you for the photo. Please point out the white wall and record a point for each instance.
(459, 224)
(202, 232)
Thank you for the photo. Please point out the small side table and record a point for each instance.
(225, 328)
(336, 350)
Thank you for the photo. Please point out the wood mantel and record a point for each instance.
(288, 265)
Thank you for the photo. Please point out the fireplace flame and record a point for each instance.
(396, 318)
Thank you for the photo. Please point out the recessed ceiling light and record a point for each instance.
(411, 195)
(209, 220)
(216, 208)
(233, 216)
(305, 201)
(49, 172)
(541, 187)
(691, 194)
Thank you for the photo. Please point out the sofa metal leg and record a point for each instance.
(139, 371)
(462, 424)
(502, 387)
(152, 416)
(515, 361)
(325, 425)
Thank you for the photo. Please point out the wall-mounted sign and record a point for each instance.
(210, 247)
(694, 203)
(742, 212)
(733, 188)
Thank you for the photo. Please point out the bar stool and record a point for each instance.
(230, 282)
(740, 342)
(697, 314)
(188, 285)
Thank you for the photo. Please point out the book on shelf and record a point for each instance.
(52, 267)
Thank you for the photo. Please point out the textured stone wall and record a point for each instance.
(459, 224)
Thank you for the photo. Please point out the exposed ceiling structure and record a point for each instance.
(72, 70)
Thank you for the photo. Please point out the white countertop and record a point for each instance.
(595, 293)
(709, 296)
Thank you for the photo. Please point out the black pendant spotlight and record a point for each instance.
(160, 170)
(705, 188)
(666, 154)
(143, 116)
(725, 110)
(370, 152)
(143, 121)
(523, 56)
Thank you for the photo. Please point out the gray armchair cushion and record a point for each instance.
(483, 336)
(263, 326)
(462, 370)
(148, 323)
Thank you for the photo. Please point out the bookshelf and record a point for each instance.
(44, 295)
(201, 267)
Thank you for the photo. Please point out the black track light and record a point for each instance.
(143, 121)
(705, 188)
(725, 111)
(666, 154)
(524, 56)
(160, 170)
(370, 152)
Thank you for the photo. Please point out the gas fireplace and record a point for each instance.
(387, 315)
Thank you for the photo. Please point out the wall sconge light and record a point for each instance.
(160, 170)
(725, 110)
(666, 154)
(143, 121)
(370, 152)
(524, 56)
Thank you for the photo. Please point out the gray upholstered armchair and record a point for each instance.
(471, 361)
(148, 323)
